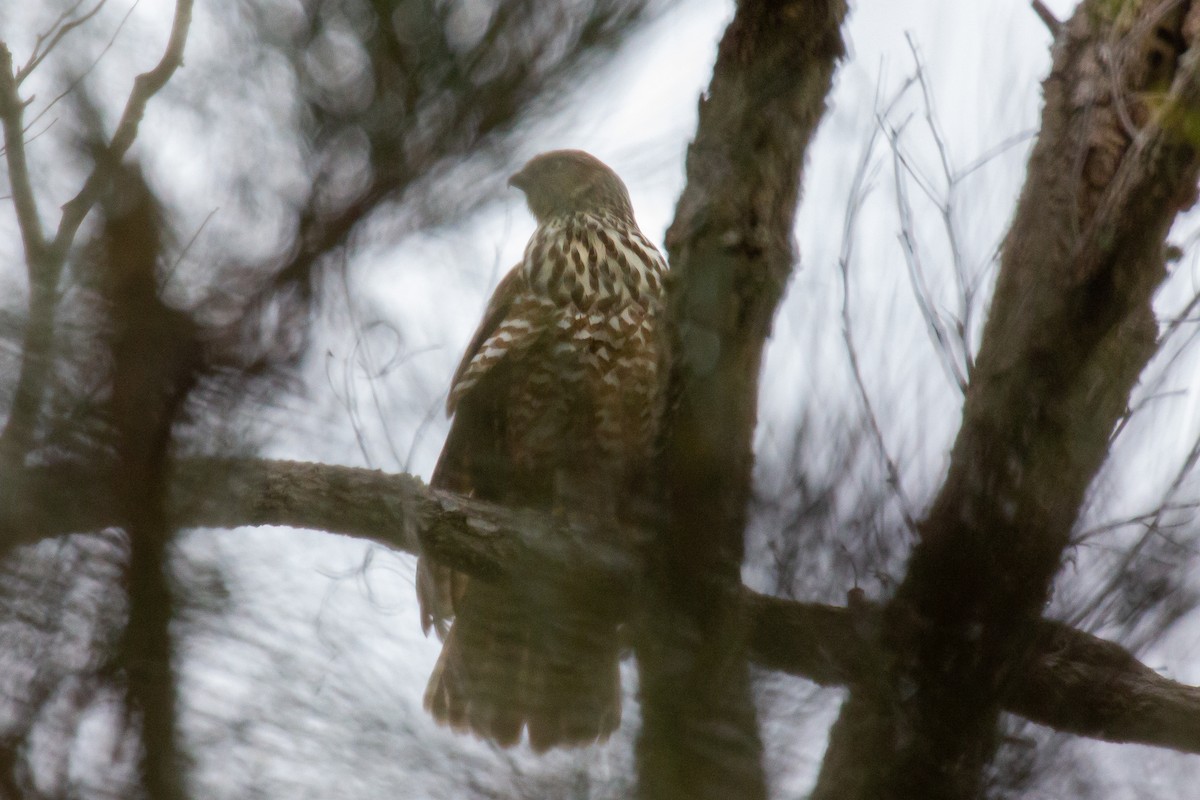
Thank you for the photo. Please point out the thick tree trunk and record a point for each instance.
(1071, 327)
(156, 359)
(731, 256)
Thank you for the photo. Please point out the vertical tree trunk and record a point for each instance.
(1070, 329)
(155, 362)
(731, 255)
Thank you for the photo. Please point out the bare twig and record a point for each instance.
(1143, 518)
(170, 274)
(996, 150)
(79, 78)
(1153, 528)
(45, 259)
(1047, 17)
(51, 38)
(951, 339)
(145, 86)
(1152, 388)
(858, 190)
(966, 287)
(922, 294)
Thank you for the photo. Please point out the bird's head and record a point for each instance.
(567, 181)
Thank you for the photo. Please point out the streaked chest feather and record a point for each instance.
(594, 262)
(584, 319)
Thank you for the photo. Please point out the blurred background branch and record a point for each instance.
(1072, 681)
(284, 260)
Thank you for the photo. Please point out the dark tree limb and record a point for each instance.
(145, 86)
(150, 379)
(156, 360)
(1071, 681)
(731, 256)
(1071, 327)
(1047, 17)
(12, 115)
(45, 257)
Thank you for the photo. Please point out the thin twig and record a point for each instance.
(1047, 17)
(966, 287)
(28, 139)
(916, 274)
(12, 110)
(997, 150)
(55, 36)
(858, 191)
(1153, 528)
(79, 78)
(49, 32)
(170, 274)
(145, 86)
(1146, 517)
(1162, 371)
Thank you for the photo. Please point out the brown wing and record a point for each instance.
(478, 391)
(498, 307)
(473, 458)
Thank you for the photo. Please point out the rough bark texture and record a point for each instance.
(1070, 329)
(731, 256)
(1070, 681)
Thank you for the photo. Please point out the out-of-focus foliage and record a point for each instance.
(393, 97)
(303, 134)
(299, 134)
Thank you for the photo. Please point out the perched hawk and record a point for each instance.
(555, 406)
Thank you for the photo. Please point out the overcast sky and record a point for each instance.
(983, 62)
(325, 643)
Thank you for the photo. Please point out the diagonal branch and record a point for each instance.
(58, 31)
(1070, 329)
(145, 86)
(1071, 681)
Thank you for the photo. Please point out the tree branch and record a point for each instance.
(12, 112)
(46, 42)
(44, 259)
(1071, 681)
(1070, 329)
(1047, 17)
(155, 363)
(18, 429)
(145, 86)
(731, 256)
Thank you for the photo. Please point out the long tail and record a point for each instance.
(506, 666)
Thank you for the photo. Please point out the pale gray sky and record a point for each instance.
(326, 644)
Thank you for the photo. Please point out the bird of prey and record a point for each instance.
(555, 406)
